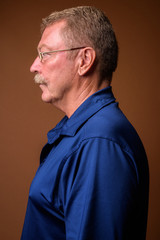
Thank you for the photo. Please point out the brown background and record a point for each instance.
(25, 119)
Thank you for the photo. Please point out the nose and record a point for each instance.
(35, 67)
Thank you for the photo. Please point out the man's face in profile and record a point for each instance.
(55, 73)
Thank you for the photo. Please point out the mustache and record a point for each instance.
(39, 79)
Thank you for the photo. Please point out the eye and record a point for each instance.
(45, 54)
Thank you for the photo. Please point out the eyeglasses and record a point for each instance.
(42, 55)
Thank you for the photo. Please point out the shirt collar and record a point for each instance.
(69, 126)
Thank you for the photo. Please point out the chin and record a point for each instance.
(46, 96)
(46, 99)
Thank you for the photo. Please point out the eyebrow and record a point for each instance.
(43, 45)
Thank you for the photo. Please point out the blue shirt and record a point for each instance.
(92, 182)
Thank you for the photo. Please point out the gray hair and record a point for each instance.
(88, 26)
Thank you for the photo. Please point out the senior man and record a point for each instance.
(92, 182)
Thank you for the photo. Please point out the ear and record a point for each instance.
(86, 60)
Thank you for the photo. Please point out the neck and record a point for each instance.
(79, 94)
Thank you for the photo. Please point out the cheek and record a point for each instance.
(51, 73)
(58, 73)
(58, 76)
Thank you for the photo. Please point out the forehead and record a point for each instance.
(52, 37)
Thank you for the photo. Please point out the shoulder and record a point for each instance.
(111, 124)
(107, 122)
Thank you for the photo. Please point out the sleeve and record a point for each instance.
(99, 184)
